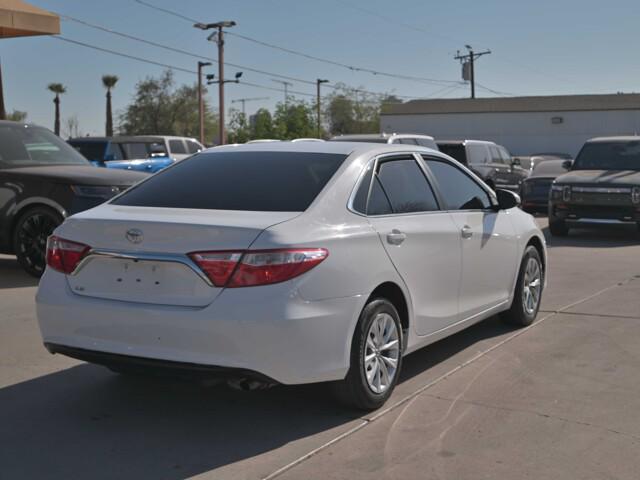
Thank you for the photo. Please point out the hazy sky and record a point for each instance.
(539, 47)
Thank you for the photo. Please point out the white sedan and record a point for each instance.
(290, 262)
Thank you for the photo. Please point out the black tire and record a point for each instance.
(30, 238)
(354, 390)
(558, 228)
(518, 314)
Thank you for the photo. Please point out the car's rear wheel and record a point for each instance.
(30, 238)
(528, 292)
(376, 357)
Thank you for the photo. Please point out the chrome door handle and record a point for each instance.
(466, 232)
(396, 237)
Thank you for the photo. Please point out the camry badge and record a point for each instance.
(134, 235)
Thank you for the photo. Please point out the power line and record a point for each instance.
(160, 64)
(353, 68)
(202, 57)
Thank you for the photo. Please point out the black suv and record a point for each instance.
(602, 186)
(42, 181)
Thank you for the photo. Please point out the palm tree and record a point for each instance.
(58, 89)
(108, 82)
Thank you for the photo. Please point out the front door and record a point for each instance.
(487, 236)
(421, 240)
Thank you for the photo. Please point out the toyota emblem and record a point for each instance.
(134, 235)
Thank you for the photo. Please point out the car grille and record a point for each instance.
(600, 212)
(600, 196)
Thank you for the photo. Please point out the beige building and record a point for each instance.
(524, 125)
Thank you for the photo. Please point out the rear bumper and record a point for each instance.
(269, 330)
(149, 365)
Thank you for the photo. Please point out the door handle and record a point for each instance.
(466, 232)
(396, 237)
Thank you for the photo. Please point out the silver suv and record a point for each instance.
(405, 138)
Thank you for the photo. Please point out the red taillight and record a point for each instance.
(257, 267)
(64, 255)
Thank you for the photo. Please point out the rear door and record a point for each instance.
(502, 168)
(489, 245)
(422, 242)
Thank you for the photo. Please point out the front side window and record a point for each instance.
(459, 190)
(22, 146)
(90, 150)
(609, 156)
(250, 181)
(495, 154)
(134, 150)
(406, 187)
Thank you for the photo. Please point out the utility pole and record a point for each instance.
(286, 86)
(244, 100)
(201, 100)
(318, 83)
(218, 37)
(467, 62)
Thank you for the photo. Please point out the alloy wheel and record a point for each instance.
(381, 353)
(32, 239)
(532, 286)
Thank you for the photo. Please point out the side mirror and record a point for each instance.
(567, 164)
(507, 199)
(515, 162)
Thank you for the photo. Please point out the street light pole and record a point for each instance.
(318, 83)
(218, 37)
(201, 100)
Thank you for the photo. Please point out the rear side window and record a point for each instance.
(425, 142)
(252, 181)
(460, 191)
(477, 153)
(135, 150)
(454, 150)
(406, 187)
(177, 146)
(495, 154)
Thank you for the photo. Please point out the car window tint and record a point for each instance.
(454, 150)
(360, 198)
(252, 181)
(378, 200)
(425, 142)
(134, 150)
(460, 191)
(406, 187)
(177, 146)
(27, 145)
(506, 156)
(90, 150)
(193, 147)
(114, 152)
(495, 154)
(477, 153)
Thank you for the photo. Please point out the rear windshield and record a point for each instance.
(455, 150)
(23, 146)
(609, 156)
(253, 181)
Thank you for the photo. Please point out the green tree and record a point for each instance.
(17, 116)
(238, 130)
(294, 119)
(159, 108)
(109, 82)
(262, 125)
(58, 89)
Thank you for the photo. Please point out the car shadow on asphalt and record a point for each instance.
(13, 276)
(86, 422)
(596, 237)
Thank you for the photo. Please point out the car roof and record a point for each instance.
(345, 148)
(365, 136)
(627, 138)
(454, 142)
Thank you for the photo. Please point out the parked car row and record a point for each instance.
(142, 153)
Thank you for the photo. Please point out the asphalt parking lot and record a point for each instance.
(557, 400)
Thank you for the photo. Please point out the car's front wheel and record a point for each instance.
(528, 292)
(376, 357)
(30, 238)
